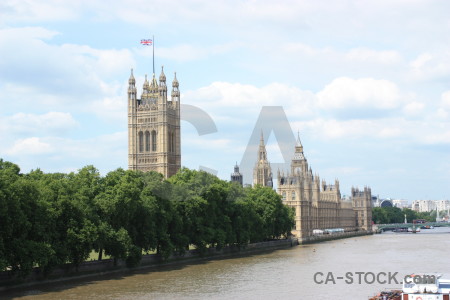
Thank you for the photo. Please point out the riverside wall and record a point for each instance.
(334, 236)
(92, 269)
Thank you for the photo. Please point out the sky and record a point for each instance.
(365, 83)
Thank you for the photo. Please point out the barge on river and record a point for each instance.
(419, 287)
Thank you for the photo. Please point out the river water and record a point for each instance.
(280, 274)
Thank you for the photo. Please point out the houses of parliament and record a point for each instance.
(154, 144)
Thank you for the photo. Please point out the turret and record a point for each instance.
(132, 87)
(131, 80)
(154, 85)
(175, 90)
(162, 83)
(145, 88)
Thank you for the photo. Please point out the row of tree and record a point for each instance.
(52, 219)
(390, 215)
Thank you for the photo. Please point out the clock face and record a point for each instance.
(298, 156)
(297, 170)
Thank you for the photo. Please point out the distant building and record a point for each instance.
(376, 201)
(386, 203)
(443, 205)
(400, 203)
(236, 176)
(423, 205)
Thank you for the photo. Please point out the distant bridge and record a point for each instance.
(388, 227)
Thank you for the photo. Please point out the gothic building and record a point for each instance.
(154, 126)
(236, 176)
(317, 205)
(262, 173)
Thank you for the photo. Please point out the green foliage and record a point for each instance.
(390, 215)
(52, 219)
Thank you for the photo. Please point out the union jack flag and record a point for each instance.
(146, 42)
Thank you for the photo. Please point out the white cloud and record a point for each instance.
(68, 73)
(30, 146)
(429, 66)
(413, 108)
(348, 93)
(186, 52)
(445, 99)
(49, 123)
(238, 99)
(111, 109)
(69, 154)
(371, 56)
(34, 11)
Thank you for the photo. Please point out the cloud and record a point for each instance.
(431, 66)
(30, 146)
(237, 99)
(68, 73)
(346, 93)
(413, 108)
(346, 108)
(55, 154)
(363, 54)
(186, 52)
(55, 123)
(445, 99)
(111, 109)
(38, 11)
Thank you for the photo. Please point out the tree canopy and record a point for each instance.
(49, 219)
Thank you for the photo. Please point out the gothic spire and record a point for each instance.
(299, 143)
(175, 83)
(298, 147)
(262, 153)
(162, 77)
(175, 90)
(131, 81)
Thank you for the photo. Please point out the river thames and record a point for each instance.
(281, 274)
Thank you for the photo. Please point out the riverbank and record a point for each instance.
(92, 269)
(330, 237)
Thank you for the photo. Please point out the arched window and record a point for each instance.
(147, 141)
(153, 140)
(173, 142)
(170, 142)
(141, 141)
(293, 195)
(284, 196)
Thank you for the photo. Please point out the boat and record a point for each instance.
(401, 229)
(419, 287)
(427, 227)
(388, 295)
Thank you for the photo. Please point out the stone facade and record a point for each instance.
(318, 205)
(154, 126)
(362, 204)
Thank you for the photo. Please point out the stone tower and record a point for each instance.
(154, 126)
(299, 164)
(262, 173)
(362, 204)
(236, 176)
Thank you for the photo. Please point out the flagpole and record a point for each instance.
(153, 45)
